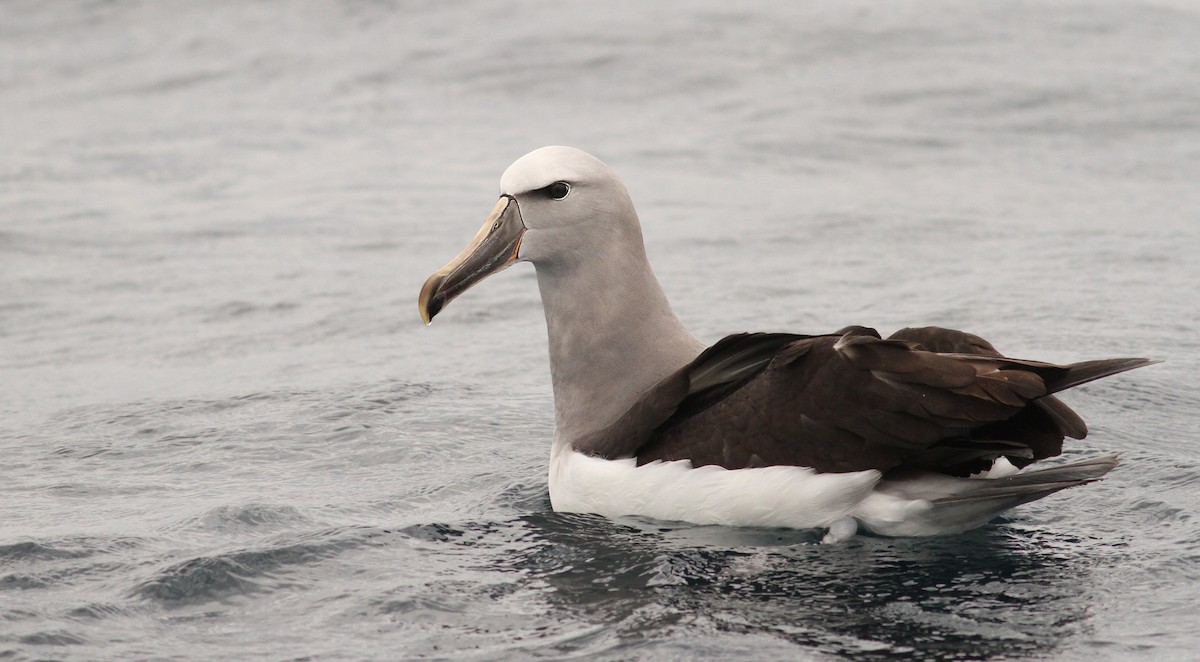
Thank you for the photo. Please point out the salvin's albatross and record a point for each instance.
(921, 433)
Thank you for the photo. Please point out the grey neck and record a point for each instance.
(612, 336)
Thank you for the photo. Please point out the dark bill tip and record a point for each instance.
(494, 247)
(432, 299)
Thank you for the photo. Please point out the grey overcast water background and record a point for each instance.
(225, 433)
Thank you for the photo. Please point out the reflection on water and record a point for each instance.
(989, 593)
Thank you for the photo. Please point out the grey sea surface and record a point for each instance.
(226, 434)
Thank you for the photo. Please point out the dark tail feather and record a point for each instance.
(960, 504)
(1031, 485)
(1086, 371)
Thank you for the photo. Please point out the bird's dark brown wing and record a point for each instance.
(714, 375)
(852, 401)
(1040, 427)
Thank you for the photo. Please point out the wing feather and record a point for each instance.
(927, 398)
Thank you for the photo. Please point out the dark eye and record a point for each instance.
(558, 190)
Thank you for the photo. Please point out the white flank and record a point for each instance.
(780, 496)
(792, 497)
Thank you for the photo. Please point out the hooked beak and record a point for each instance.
(494, 247)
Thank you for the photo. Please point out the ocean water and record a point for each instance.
(225, 433)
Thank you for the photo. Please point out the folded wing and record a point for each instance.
(931, 399)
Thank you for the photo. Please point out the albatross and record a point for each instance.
(930, 431)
